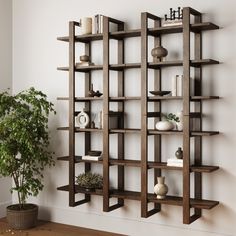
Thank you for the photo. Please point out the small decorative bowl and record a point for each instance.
(84, 58)
(97, 94)
(94, 153)
(159, 93)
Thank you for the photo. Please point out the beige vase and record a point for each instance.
(160, 189)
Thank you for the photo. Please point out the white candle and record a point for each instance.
(86, 25)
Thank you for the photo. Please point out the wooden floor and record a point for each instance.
(51, 229)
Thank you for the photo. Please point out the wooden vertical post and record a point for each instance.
(144, 74)
(157, 108)
(71, 113)
(198, 108)
(120, 150)
(87, 84)
(186, 111)
(106, 114)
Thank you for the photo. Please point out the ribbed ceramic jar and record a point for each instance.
(160, 189)
(159, 52)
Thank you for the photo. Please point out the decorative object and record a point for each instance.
(160, 189)
(175, 17)
(180, 122)
(97, 94)
(179, 85)
(98, 24)
(164, 125)
(174, 86)
(82, 119)
(91, 92)
(90, 181)
(86, 25)
(94, 153)
(100, 120)
(179, 153)
(24, 153)
(84, 58)
(159, 52)
(175, 162)
(92, 125)
(84, 61)
(159, 93)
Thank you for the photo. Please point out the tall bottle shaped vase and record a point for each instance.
(160, 189)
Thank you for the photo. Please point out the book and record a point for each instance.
(179, 83)
(91, 158)
(172, 23)
(78, 64)
(175, 162)
(174, 86)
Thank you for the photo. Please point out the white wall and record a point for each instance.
(5, 80)
(37, 53)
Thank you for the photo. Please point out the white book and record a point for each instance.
(175, 164)
(179, 79)
(91, 158)
(174, 86)
(172, 23)
(175, 160)
(94, 25)
(84, 64)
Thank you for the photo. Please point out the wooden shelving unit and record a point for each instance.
(190, 130)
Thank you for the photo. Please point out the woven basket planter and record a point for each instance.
(22, 219)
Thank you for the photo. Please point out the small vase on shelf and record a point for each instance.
(164, 125)
(179, 153)
(160, 189)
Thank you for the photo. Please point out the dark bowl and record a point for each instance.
(159, 93)
(97, 94)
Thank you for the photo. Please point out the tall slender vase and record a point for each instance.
(160, 189)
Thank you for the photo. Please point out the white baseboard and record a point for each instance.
(106, 222)
(3, 206)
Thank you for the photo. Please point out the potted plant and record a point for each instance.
(24, 154)
(168, 123)
(89, 181)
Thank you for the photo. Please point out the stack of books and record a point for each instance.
(98, 24)
(172, 22)
(175, 162)
(91, 158)
(84, 63)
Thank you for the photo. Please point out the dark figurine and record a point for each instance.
(175, 15)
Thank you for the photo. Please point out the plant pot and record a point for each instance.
(165, 125)
(22, 219)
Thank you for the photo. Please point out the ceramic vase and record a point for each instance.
(164, 125)
(160, 189)
(180, 123)
(159, 52)
(179, 153)
(82, 119)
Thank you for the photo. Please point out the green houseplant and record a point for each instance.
(89, 181)
(24, 154)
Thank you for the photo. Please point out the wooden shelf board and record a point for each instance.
(150, 98)
(81, 190)
(120, 67)
(153, 131)
(77, 129)
(78, 159)
(137, 32)
(204, 133)
(131, 195)
(204, 168)
(125, 130)
(178, 201)
(193, 133)
(118, 99)
(134, 163)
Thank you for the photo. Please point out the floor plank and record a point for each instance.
(51, 229)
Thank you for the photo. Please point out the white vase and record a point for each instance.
(164, 125)
(180, 123)
(160, 189)
(82, 119)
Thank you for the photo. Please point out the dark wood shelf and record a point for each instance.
(78, 159)
(81, 99)
(151, 164)
(81, 190)
(178, 201)
(77, 129)
(137, 32)
(193, 133)
(193, 98)
(121, 99)
(124, 131)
